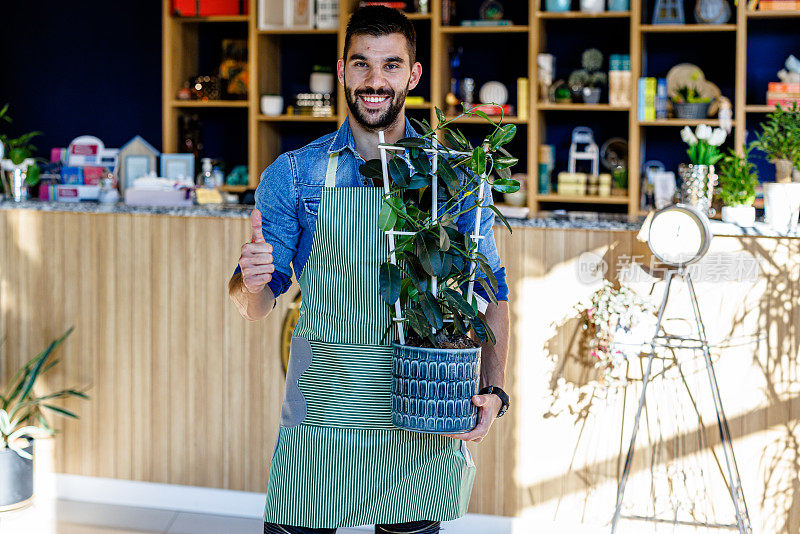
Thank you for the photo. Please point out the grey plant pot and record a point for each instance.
(591, 95)
(16, 478)
(432, 389)
(691, 110)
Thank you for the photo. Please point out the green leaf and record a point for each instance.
(427, 250)
(501, 216)
(398, 170)
(503, 185)
(439, 115)
(482, 329)
(505, 174)
(444, 239)
(418, 322)
(487, 271)
(480, 113)
(482, 281)
(372, 169)
(420, 162)
(505, 162)
(447, 265)
(32, 176)
(448, 175)
(418, 181)
(422, 125)
(410, 142)
(503, 135)
(61, 411)
(478, 163)
(459, 302)
(417, 272)
(387, 217)
(431, 309)
(456, 140)
(390, 278)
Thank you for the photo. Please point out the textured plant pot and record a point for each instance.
(697, 186)
(432, 389)
(591, 95)
(741, 215)
(593, 6)
(693, 110)
(783, 171)
(558, 5)
(781, 205)
(16, 478)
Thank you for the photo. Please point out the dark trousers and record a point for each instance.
(415, 527)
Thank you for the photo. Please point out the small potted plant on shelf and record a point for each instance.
(738, 180)
(586, 83)
(429, 277)
(689, 104)
(18, 169)
(779, 139)
(699, 177)
(22, 418)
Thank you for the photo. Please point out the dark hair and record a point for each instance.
(378, 21)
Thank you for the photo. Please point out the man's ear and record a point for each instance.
(340, 70)
(416, 74)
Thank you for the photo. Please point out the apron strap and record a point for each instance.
(330, 174)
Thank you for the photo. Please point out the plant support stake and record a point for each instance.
(475, 237)
(398, 317)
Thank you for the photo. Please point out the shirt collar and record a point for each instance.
(344, 136)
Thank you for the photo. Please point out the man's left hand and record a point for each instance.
(488, 408)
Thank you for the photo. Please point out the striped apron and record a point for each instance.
(338, 460)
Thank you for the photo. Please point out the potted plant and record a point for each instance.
(779, 139)
(689, 104)
(428, 280)
(699, 177)
(22, 418)
(18, 170)
(737, 188)
(586, 82)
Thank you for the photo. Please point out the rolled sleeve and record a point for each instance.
(487, 245)
(277, 200)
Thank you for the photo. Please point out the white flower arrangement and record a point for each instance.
(704, 144)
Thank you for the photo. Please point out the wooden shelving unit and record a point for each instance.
(180, 47)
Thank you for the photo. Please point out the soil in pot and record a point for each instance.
(461, 342)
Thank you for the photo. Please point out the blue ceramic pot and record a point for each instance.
(558, 5)
(432, 389)
(618, 5)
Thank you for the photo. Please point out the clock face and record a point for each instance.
(678, 235)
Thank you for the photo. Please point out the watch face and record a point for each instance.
(679, 235)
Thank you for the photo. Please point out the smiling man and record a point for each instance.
(338, 460)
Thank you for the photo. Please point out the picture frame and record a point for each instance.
(136, 166)
(173, 166)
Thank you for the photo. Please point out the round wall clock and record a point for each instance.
(679, 235)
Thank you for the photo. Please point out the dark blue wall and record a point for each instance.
(88, 67)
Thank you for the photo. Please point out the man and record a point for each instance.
(335, 465)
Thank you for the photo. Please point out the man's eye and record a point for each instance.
(392, 66)
(360, 64)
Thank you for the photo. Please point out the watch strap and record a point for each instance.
(495, 390)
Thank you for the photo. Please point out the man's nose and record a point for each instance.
(375, 79)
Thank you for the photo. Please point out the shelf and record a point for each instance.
(424, 105)
(759, 108)
(680, 122)
(581, 15)
(508, 119)
(583, 199)
(234, 188)
(215, 18)
(209, 104)
(684, 28)
(515, 28)
(773, 14)
(295, 118)
(552, 106)
(293, 31)
(418, 16)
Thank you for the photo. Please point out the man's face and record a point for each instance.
(377, 76)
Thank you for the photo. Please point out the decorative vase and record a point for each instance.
(558, 5)
(742, 215)
(781, 205)
(691, 110)
(16, 478)
(697, 187)
(783, 171)
(16, 188)
(591, 95)
(618, 5)
(593, 6)
(432, 389)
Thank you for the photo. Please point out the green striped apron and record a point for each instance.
(338, 460)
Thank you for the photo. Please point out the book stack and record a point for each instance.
(396, 4)
(779, 5)
(784, 94)
(652, 101)
(313, 104)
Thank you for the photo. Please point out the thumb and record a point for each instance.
(255, 227)
(480, 400)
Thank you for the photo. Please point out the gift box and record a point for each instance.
(209, 8)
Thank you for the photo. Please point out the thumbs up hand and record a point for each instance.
(256, 258)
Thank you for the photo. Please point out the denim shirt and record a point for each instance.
(288, 198)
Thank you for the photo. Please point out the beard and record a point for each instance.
(375, 120)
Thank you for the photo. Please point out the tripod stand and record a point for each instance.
(733, 479)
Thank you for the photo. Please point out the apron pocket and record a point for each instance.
(294, 407)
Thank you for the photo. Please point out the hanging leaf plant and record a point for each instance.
(437, 264)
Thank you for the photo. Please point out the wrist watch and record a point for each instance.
(489, 390)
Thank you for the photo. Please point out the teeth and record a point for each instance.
(374, 99)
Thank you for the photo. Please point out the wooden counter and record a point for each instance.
(185, 391)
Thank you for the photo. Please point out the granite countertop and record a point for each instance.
(578, 221)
